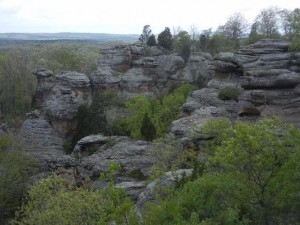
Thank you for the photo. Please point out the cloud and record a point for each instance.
(119, 16)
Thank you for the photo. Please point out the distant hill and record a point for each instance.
(94, 37)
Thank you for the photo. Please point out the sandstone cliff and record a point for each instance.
(266, 75)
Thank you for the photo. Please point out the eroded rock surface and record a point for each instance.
(59, 96)
(148, 71)
(265, 74)
(267, 78)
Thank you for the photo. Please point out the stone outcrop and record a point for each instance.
(59, 96)
(95, 153)
(98, 152)
(42, 141)
(267, 78)
(265, 74)
(147, 70)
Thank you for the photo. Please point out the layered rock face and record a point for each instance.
(147, 70)
(59, 96)
(44, 131)
(267, 78)
(265, 74)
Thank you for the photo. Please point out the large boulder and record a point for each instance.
(59, 97)
(134, 157)
(199, 70)
(40, 140)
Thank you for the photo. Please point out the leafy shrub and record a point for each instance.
(68, 146)
(16, 167)
(251, 177)
(55, 201)
(229, 93)
(160, 113)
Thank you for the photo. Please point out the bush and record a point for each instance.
(68, 146)
(15, 169)
(251, 177)
(161, 112)
(229, 93)
(55, 201)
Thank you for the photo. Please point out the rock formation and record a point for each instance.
(147, 70)
(265, 74)
(267, 78)
(59, 96)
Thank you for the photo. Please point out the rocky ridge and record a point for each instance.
(265, 73)
(267, 78)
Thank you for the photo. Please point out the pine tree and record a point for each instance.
(148, 130)
(164, 39)
(152, 41)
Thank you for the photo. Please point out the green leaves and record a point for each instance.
(15, 169)
(160, 112)
(55, 201)
(251, 177)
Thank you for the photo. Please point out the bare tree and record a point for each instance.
(145, 35)
(235, 28)
(204, 39)
(194, 34)
(286, 21)
(268, 22)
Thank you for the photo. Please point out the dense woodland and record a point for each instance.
(250, 174)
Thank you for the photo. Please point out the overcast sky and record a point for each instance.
(125, 16)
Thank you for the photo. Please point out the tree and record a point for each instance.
(204, 39)
(253, 36)
(161, 112)
(148, 129)
(267, 23)
(92, 119)
(151, 40)
(55, 201)
(164, 39)
(251, 177)
(143, 39)
(286, 19)
(194, 33)
(234, 29)
(15, 169)
(255, 156)
(183, 44)
(295, 35)
(137, 107)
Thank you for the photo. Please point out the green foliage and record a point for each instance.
(68, 146)
(164, 39)
(204, 201)
(161, 113)
(295, 44)
(15, 169)
(229, 93)
(234, 29)
(137, 106)
(92, 119)
(53, 201)
(18, 85)
(152, 40)
(267, 22)
(148, 130)
(251, 177)
(144, 37)
(183, 44)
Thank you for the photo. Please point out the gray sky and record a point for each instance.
(125, 16)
